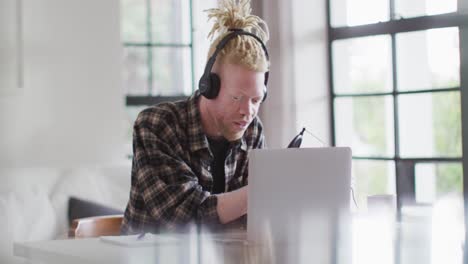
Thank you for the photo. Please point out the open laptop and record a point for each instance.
(299, 196)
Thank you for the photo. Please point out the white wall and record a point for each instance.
(9, 48)
(298, 92)
(70, 111)
(311, 70)
(278, 111)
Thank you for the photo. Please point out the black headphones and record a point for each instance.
(210, 83)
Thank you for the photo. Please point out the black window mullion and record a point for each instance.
(463, 38)
(415, 160)
(396, 128)
(152, 100)
(401, 25)
(192, 60)
(405, 184)
(149, 35)
(330, 74)
(157, 44)
(392, 10)
(396, 92)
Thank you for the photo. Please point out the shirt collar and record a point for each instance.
(241, 143)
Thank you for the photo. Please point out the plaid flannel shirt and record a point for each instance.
(171, 179)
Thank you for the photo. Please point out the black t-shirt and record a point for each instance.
(219, 148)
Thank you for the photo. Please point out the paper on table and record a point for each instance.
(132, 241)
(231, 241)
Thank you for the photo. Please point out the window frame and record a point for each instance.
(404, 167)
(149, 99)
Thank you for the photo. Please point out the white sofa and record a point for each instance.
(34, 202)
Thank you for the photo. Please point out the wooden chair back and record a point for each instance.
(108, 225)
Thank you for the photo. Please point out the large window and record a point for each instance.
(158, 49)
(165, 47)
(395, 89)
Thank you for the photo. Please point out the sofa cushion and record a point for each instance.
(25, 215)
(106, 187)
(20, 178)
(79, 208)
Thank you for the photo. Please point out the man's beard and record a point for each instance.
(231, 135)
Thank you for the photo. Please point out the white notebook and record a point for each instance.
(133, 241)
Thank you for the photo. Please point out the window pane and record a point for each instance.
(358, 12)
(436, 180)
(372, 178)
(362, 65)
(201, 28)
(136, 71)
(406, 9)
(439, 187)
(134, 20)
(365, 124)
(428, 59)
(171, 71)
(170, 21)
(430, 124)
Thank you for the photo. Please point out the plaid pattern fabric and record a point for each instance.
(171, 178)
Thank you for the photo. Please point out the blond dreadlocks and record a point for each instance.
(242, 50)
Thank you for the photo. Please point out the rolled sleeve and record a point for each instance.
(207, 213)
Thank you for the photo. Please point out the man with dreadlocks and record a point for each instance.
(190, 157)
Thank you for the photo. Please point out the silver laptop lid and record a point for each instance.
(291, 190)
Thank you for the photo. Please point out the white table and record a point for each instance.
(93, 250)
(372, 241)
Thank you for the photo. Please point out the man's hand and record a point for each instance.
(232, 205)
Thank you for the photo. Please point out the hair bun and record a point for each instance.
(236, 14)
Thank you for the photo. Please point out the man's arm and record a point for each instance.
(232, 205)
(170, 188)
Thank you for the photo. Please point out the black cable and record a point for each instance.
(296, 143)
(354, 199)
(323, 143)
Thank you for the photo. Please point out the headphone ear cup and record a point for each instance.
(204, 85)
(215, 86)
(209, 86)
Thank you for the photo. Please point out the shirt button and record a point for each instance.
(208, 168)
